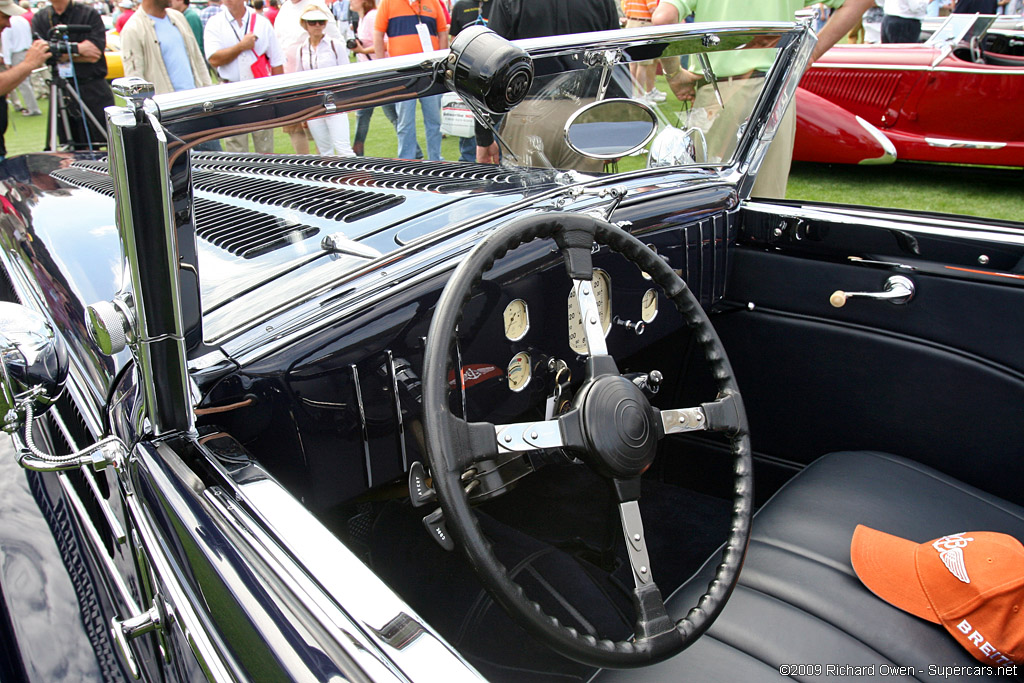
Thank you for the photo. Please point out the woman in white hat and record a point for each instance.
(317, 51)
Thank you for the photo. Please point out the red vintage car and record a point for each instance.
(955, 98)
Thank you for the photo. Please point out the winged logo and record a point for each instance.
(951, 552)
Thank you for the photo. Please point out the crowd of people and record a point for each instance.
(175, 47)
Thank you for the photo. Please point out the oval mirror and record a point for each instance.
(610, 129)
(33, 360)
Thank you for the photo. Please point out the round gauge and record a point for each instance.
(519, 371)
(649, 306)
(602, 284)
(517, 320)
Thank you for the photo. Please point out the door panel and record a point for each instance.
(939, 379)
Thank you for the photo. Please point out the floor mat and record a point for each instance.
(559, 535)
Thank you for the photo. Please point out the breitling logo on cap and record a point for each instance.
(970, 582)
(951, 550)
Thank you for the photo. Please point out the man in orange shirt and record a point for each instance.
(413, 26)
(638, 14)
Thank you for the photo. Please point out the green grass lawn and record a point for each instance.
(991, 193)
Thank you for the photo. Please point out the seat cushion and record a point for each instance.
(798, 601)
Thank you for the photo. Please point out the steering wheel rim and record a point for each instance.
(453, 444)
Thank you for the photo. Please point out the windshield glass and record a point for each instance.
(700, 115)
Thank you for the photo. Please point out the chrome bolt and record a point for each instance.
(983, 259)
(643, 570)
(636, 537)
(593, 320)
(586, 290)
(533, 435)
(508, 438)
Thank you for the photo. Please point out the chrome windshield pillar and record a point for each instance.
(159, 262)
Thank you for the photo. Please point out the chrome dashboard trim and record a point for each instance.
(921, 224)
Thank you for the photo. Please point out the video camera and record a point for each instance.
(60, 41)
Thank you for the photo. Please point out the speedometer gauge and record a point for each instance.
(602, 284)
(519, 371)
(649, 306)
(517, 320)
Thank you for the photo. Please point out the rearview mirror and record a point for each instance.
(33, 363)
(610, 129)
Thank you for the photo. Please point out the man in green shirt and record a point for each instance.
(194, 22)
(740, 73)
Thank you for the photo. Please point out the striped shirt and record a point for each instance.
(639, 9)
(397, 19)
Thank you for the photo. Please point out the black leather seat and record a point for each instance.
(799, 602)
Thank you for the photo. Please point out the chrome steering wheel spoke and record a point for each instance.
(636, 542)
(522, 437)
(721, 415)
(590, 315)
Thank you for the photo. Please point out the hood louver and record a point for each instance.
(423, 176)
(245, 231)
(326, 202)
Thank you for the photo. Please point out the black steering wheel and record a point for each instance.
(612, 427)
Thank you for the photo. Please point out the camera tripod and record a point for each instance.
(60, 92)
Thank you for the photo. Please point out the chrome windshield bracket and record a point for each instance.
(606, 59)
(709, 76)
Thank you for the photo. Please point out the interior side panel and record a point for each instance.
(937, 380)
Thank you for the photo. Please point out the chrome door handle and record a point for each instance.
(898, 290)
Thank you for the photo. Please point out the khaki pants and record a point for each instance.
(535, 132)
(739, 97)
(262, 140)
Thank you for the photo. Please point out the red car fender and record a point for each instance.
(825, 132)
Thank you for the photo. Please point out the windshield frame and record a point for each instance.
(267, 102)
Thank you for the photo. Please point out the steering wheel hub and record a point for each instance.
(619, 428)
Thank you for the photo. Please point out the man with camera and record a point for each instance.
(78, 39)
(35, 57)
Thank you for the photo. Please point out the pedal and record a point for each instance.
(420, 492)
(436, 528)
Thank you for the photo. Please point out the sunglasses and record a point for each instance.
(316, 22)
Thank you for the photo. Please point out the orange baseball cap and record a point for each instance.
(971, 582)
